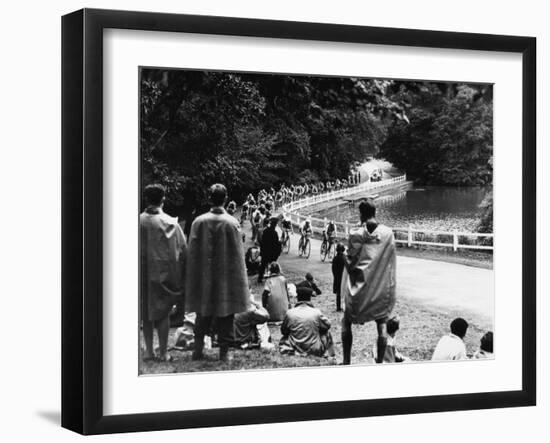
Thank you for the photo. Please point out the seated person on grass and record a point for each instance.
(451, 346)
(245, 325)
(308, 287)
(486, 347)
(275, 297)
(306, 331)
(391, 355)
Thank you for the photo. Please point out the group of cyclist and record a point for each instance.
(259, 209)
(286, 194)
(329, 237)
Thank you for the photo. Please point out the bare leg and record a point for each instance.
(382, 341)
(347, 340)
(148, 335)
(163, 330)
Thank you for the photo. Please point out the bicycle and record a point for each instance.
(304, 247)
(328, 248)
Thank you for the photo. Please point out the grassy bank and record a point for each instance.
(421, 328)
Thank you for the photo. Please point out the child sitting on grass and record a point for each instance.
(392, 355)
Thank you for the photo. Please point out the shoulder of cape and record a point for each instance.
(163, 218)
(228, 220)
(168, 219)
(384, 230)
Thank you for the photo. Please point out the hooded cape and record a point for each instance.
(162, 261)
(216, 281)
(368, 281)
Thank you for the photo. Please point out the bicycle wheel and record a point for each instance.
(307, 248)
(300, 247)
(323, 251)
(330, 251)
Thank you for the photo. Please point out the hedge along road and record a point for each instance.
(439, 285)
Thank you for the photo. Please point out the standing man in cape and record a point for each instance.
(162, 261)
(368, 281)
(216, 283)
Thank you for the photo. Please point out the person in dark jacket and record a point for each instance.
(307, 287)
(338, 263)
(270, 247)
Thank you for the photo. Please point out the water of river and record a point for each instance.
(432, 207)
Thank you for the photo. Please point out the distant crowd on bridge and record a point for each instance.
(208, 272)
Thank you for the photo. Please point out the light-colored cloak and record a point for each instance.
(162, 261)
(368, 281)
(216, 281)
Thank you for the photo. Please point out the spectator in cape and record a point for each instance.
(369, 279)
(162, 259)
(217, 284)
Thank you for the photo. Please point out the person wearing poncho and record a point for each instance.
(216, 281)
(368, 281)
(162, 261)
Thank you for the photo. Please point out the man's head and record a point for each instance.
(459, 326)
(274, 268)
(487, 342)
(218, 194)
(154, 194)
(392, 325)
(340, 248)
(303, 296)
(309, 277)
(273, 222)
(367, 210)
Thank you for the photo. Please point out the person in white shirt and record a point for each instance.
(452, 347)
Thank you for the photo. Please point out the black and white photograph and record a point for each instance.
(291, 221)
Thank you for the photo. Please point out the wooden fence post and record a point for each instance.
(455, 241)
(346, 229)
(409, 236)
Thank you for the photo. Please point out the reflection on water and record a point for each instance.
(431, 207)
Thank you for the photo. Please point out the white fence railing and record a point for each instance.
(334, 195)
(408, 236)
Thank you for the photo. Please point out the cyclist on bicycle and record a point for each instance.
(305, 231)
(329, 233)
(286, 226)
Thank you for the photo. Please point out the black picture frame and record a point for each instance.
(82, 218)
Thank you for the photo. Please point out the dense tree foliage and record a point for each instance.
(251, 131)
(448, 138)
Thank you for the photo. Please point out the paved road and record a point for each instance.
(443, 286)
